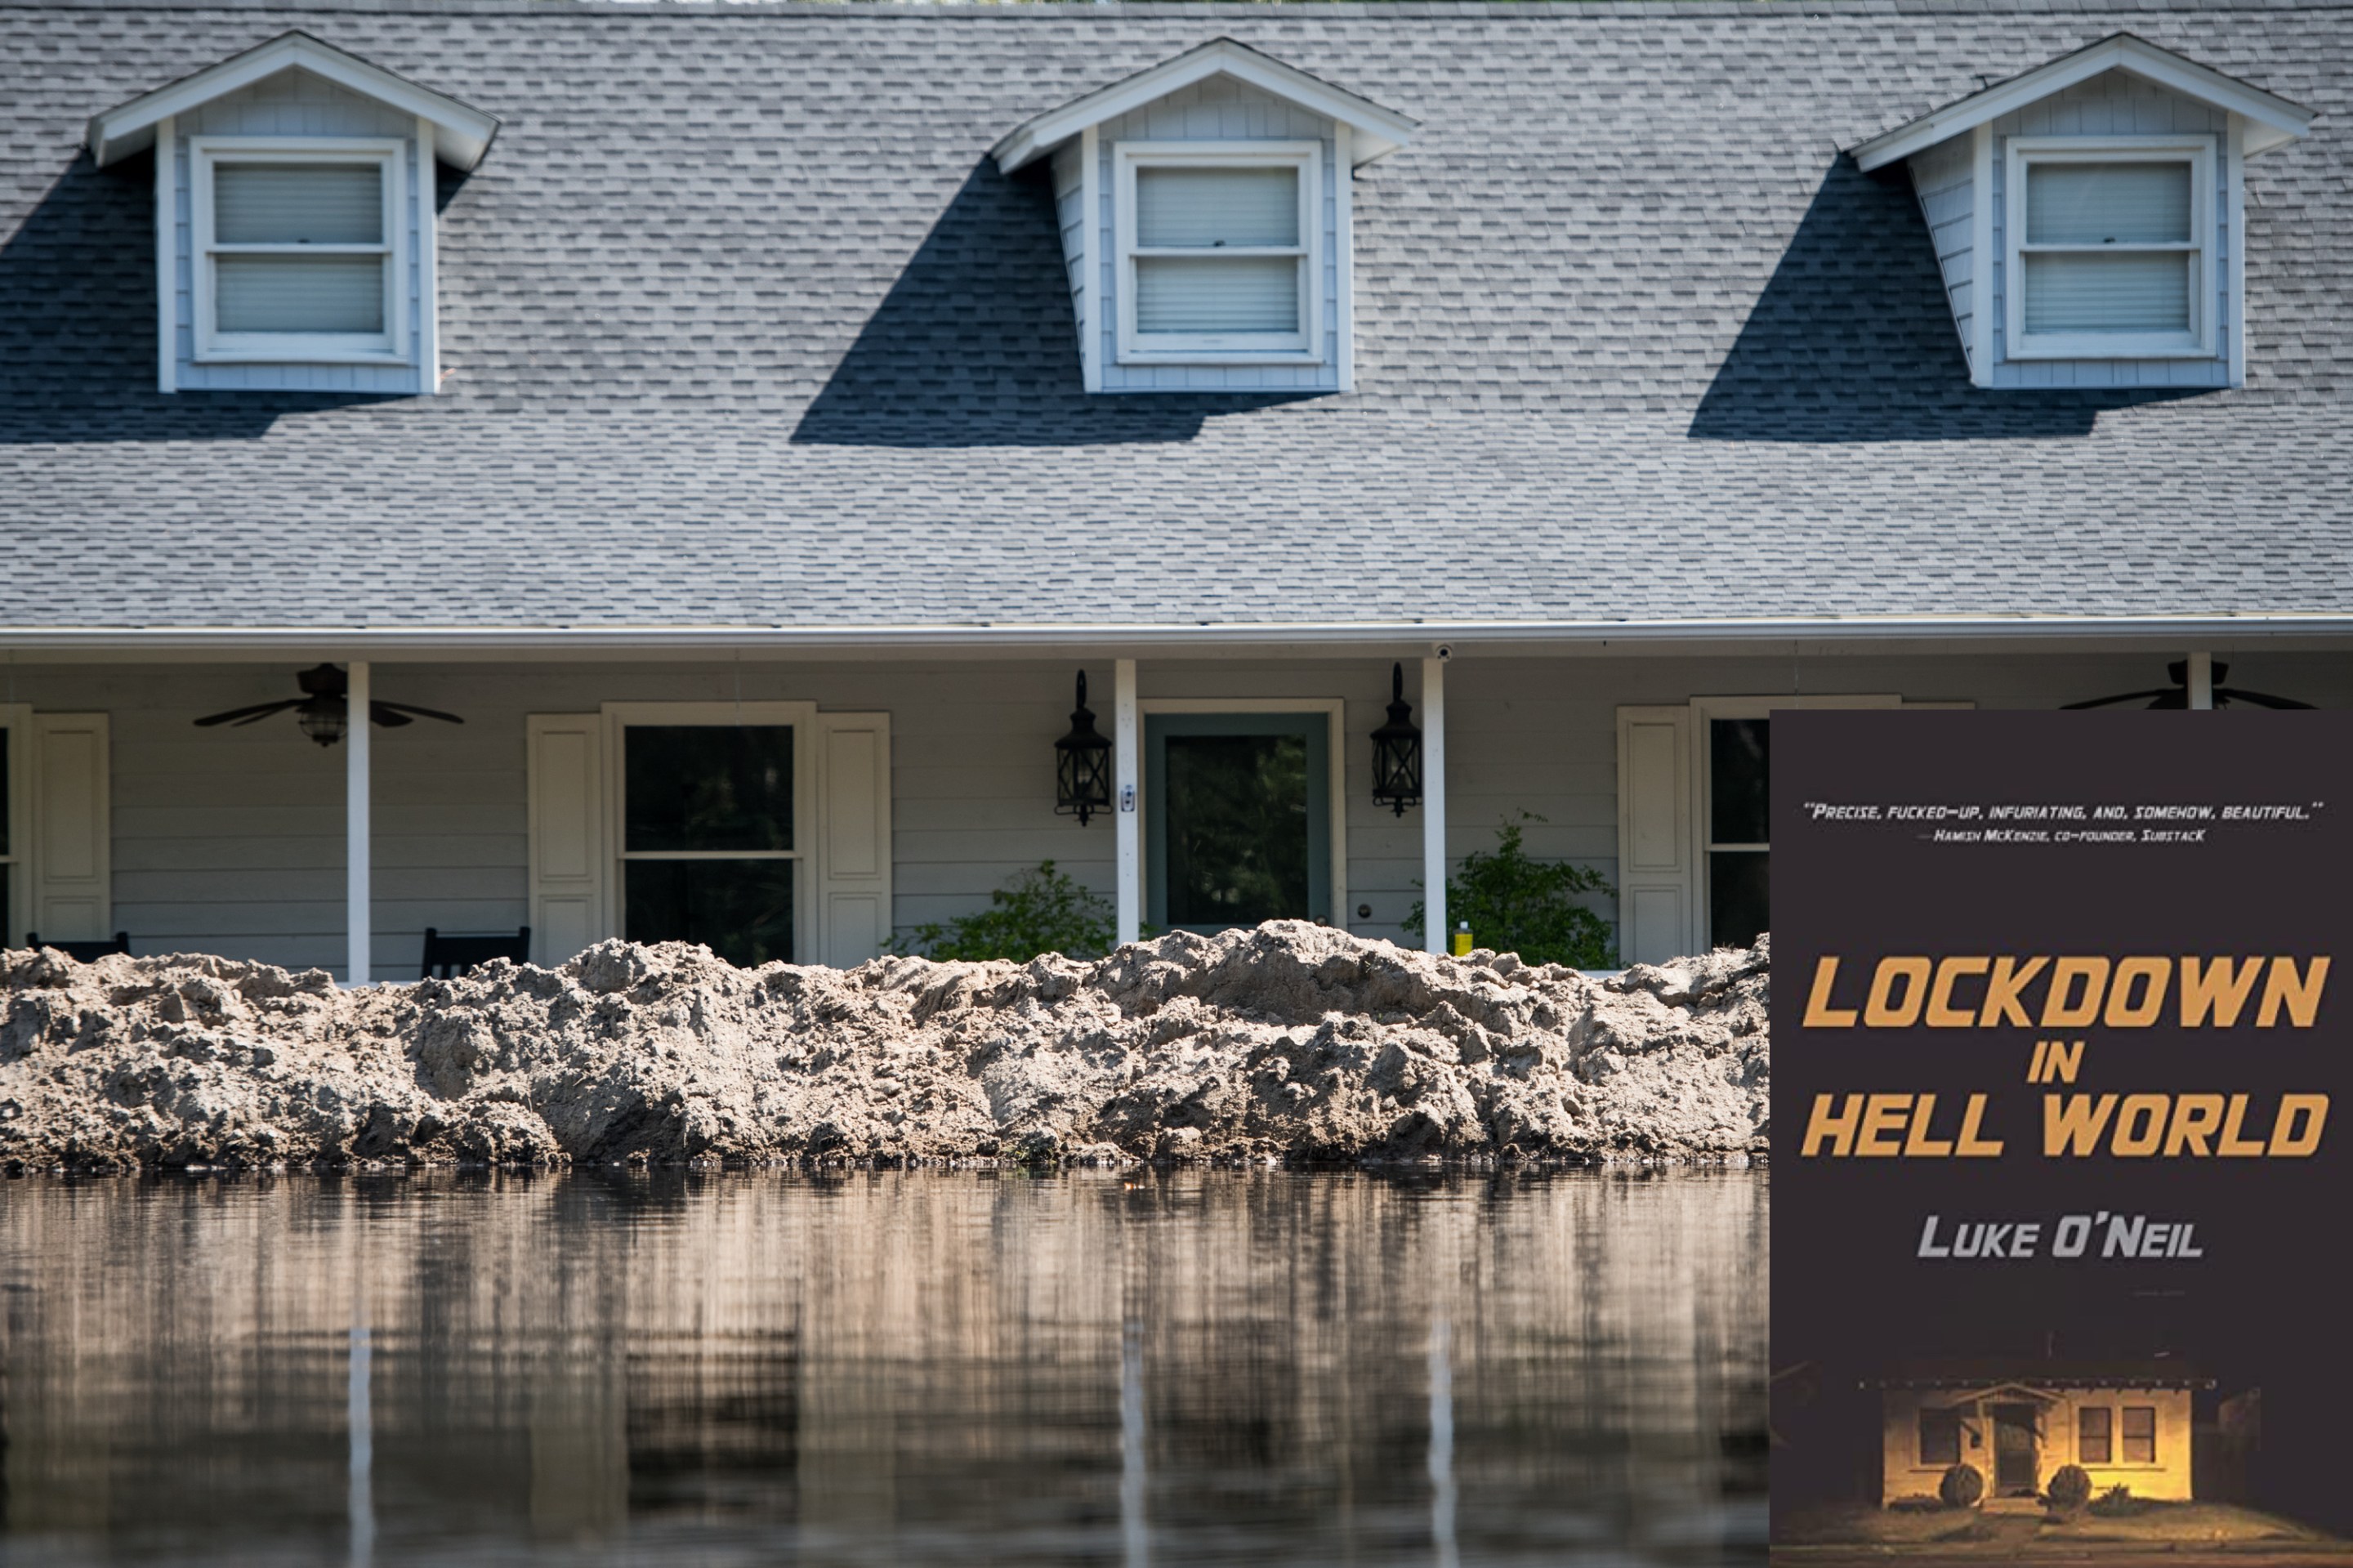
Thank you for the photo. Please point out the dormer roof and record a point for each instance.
(1376, 132)
(2272, 120)
(461, 132)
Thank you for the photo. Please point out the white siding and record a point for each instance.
(2115, 104)
(230, 841)
(1942, 176)
(296, 104)
(1218, 110)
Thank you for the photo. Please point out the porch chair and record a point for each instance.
(83, 952)
(453, 956)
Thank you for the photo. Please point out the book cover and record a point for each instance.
(2058, 1247)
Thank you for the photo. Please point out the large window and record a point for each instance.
(298, 250)
(1940, 1437)
(2140, 1433)
(2094, 1435)
(2109, 249)
(1739, 864)
(709, 851)
(1217, 246)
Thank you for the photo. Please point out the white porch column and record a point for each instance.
(2201, 680)
(1433, 803)
(1126, 821)
(357, 893)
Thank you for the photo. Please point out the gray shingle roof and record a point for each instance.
(747, 330)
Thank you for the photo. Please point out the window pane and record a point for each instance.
(1237, 829)
(1217, 206)
(1739, 900)
(740, 909)
(1739, 777)
(1226, 293)
(709, 786)
(2130, 292)
(2091, 1436)
(2140, 1434)
(1940, 1437)
(299, 293)
(297, 204)
(2107, 204)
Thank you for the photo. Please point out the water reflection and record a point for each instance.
(886, 1368)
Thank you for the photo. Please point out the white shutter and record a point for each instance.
(2095, 205)
(1658, 899)
(297, 204)
(72, 897)
(1217, 293)
(2132, 291)
(2108, 204)
(853, 860)
(567, 768)
(299, 293)
(1184, 206)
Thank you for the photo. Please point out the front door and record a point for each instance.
(2015, 1456)
(1238, 819)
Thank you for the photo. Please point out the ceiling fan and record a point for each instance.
(2176, 696)
(322, 710)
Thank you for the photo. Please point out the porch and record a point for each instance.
(903, 786)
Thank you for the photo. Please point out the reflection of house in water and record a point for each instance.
(2132, 1424)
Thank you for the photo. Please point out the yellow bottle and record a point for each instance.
(1462, 941)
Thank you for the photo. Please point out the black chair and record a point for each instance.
(83, 952)
(446, 958)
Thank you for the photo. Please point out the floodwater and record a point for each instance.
(886, 1368)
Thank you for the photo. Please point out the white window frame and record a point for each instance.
(619, 717)
(216, 347)
(2024, 151)
(1302, 347)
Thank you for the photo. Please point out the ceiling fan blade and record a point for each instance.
(247, 716)
(2123, 697)
(383, 713)
(2232, 694)
(381, 706)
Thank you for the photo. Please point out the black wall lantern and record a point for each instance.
(1081, 765)
(1397, 752)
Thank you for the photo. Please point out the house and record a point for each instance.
(2125, 1426)
(754, 422)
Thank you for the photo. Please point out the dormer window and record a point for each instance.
(1206, 213)
(2089, 216)
(298, 252)
(1217, 249)
(2112, 241)
(295, 201)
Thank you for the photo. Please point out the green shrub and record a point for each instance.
(2119, 1502)
(1519, 904)
(2070, 1489)
(1039, 911)
(1962, 1487)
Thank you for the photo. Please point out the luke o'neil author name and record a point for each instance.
(2099, 1234)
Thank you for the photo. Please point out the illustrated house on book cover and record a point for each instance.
(2018, 1423)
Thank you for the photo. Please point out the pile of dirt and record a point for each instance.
(1290, 1041)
